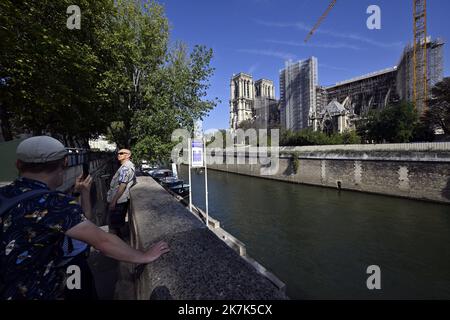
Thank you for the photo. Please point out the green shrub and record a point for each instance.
(309, 137)
(294, 161)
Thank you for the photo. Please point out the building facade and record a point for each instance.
(334, 118)
(304, 104)
(265, 105)
(298, 85)
(367, 92)
(253, 101)
(379, 89)
(241, 99)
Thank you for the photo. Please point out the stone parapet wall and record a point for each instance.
(409, 172)
(422, 146)
(199, 266)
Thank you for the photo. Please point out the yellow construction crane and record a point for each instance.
(420, 85)
(322, 17)
(420, 69)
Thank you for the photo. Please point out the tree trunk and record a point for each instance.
(86, 143)
(71, 142)
(127, 133)
(5, 124)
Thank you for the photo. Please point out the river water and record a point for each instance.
(320, 241)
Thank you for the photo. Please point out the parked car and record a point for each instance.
(170, 182)
(145, 165)
(161, 173)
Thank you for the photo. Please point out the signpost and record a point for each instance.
(174, 170)
(197, 154)
(206, 183)
(197, 159)
(190, 182)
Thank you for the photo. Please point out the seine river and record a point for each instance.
(320, 241)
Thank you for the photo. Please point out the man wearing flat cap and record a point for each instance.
(35, 218)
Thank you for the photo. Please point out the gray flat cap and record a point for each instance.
(40, 149)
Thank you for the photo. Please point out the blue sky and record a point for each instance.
(258, 36)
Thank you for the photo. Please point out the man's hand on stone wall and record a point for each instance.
(156, 251)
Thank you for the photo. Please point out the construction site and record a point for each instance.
(356, 97)
(305, 104)
(420, 67)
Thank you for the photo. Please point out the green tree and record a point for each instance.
(350, 137)
(438, 113)
(423, 130)
(116, 75)
(308, 137)
(245, 125)
(50, 74)
(136, 47)
(174, 100)
(394, 124)
(154, 89)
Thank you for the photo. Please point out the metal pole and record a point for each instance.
(206, 182)
(190, 182)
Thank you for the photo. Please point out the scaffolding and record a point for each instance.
(379, 89)
(405, 75)
(362, 94)
(298, 83)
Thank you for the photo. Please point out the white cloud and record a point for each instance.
(348, 36)
(277, 54)
(340, 45)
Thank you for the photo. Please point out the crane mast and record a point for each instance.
(420, 63)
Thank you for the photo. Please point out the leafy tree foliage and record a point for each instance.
(394, 124)
(116, 75)
(246, 124)
(174, 102)
(308, 137)
(438, 114)
(136, 46)
(50, 74)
